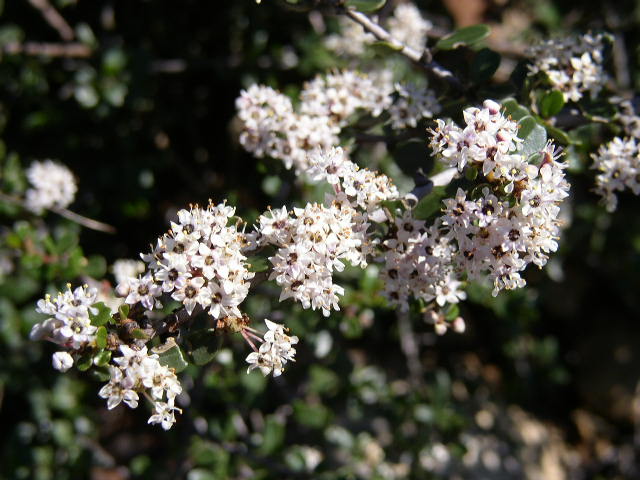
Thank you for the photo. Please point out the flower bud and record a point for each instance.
(62, 361)
(440, 328)
(459, 325)
(122, 290)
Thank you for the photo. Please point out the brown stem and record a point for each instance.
(74, 217)
(74, 49)
(423, 59)
(54, 19)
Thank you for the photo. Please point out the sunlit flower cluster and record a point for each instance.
(52, 185)
(274, 352)
(618, 166)
(137, 371)
(573, 65)
(199, 262)
(501, 229)
(68, 324)
(272, 127)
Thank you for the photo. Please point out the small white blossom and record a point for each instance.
(52, 185)
(275, 351)
(62, 361)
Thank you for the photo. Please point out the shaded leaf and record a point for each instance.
(430, 204)
(101, 337)
(464, 36)
(171, 356)
(102, 317)
(484, 65)
(551, 103)
(533, 134)
(366, 5)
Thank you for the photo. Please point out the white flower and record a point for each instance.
(53, 185)
(137, 371)
(62, 361)
(144, 290)
(573, 65)
(275, 351)
(69, 324)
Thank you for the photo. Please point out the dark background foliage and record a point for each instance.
(146, 123)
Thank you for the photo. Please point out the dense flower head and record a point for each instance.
(272, 127)
(339, 95)
(198, 262)
(618, 166)
(500, 230)
(573, 65)
(69, 323)
(52, 185)
(137, 371)
(417, 262)
(274, 352)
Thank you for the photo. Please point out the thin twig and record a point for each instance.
(84, 221)
(74, 217)
(74, 49)
(54, 19)
(424, 58)
(409, 347)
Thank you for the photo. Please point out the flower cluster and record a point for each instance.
(513, 222)
(274, 352)
(52, 185)
(137, 371)
(405, 24)
(418, 263)
(339, 95)
(198, 262)
(272, 127)
(312, 242)
(69, 323)
(573, 65)
(618, 164)
(412, 104)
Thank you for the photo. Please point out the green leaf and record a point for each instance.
(560, 135)
(102, 317)
(123, 310)
(533, 134)
(96, 266)
(429, 204)
(551, 104)
(171, 356)
(101, 337)
(101, 373)
(102, 358)
(139, 334)
(463, 36)
(204, 345)
(484, 65)
(84, 362)
(273, 435)
(258, 264)
(366, 6)
(514, 109)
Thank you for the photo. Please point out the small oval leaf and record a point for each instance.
(464, 36)
(366, 6)
(551, 104)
